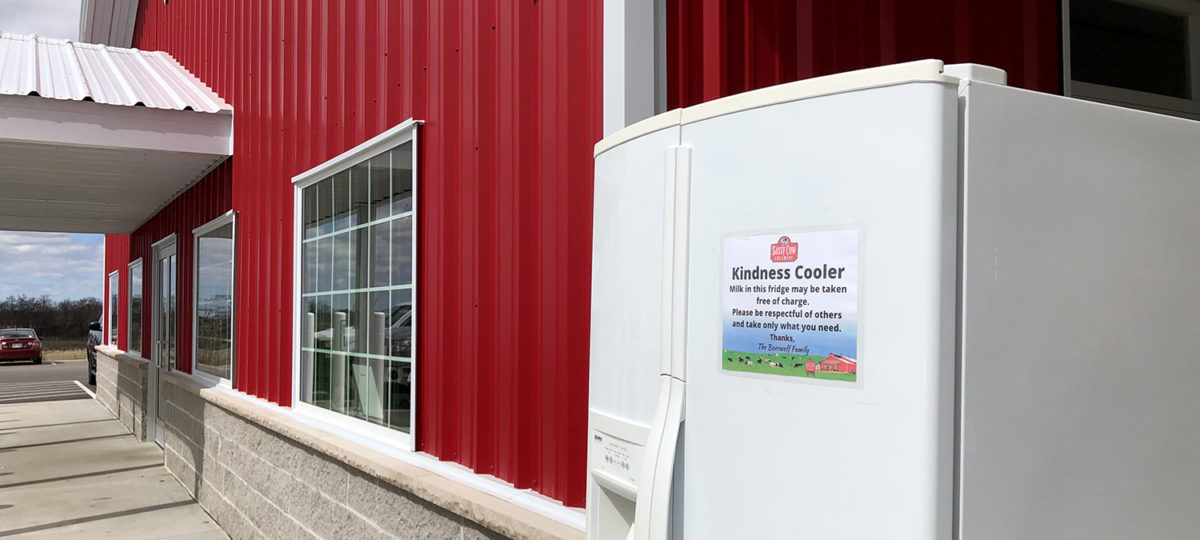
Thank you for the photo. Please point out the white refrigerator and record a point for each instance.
(903, 302)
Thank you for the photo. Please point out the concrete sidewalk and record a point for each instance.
(69, 469)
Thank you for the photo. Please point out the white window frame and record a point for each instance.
(404, 132)
(129, 308)
(1187, 108)
(228, 218)
(111, 334)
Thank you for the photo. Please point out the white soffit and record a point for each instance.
(98, 139)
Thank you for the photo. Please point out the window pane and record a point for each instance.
(322, 335)
(360, 209)
(341, 319)
(378, 325)
(402, 190)
(1132, 47)
(308, 272)
(402, 251)
(310, 218)
(321, 379)
(324, 194)
(214, 302)
(358, 384)
(380, 262)
(381, 186)
(135, 309)
(400, 324)
(399, 374)
(376, 391)
(356, 322)
(341, 200)
(170, 337)
(358, 258)
(323, 273)
(113, 291)
(308, 327)
(342, 261)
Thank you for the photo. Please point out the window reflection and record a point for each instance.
(357, 299)
(113, 290)
(135, 309)
(214, 302)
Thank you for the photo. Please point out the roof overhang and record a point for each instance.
(96, 139)
(72, 166)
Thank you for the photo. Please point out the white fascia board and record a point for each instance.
(81, 123)
(65, 224)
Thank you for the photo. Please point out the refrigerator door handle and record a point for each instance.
(653, 511)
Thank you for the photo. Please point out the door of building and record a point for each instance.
(165, 324)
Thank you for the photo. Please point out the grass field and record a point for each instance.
(63, 344)
(64, 350)
(793, 365)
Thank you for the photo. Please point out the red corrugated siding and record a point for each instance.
(202, 203)
(510, 92)
(116, 257)
(721, 47)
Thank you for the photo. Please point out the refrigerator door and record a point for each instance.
(1080, 303)
(631, 268)
(843, 429)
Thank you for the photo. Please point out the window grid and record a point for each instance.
(356, 302)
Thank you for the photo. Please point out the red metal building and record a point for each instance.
(838, 363)
(510, 98)
(510, 95)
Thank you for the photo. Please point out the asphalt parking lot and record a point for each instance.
(23, 382)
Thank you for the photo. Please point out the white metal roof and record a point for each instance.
(98, 139)
(62, 69)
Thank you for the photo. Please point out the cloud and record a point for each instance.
(48, 18)
(56, 264)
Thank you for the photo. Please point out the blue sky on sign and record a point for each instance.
(55, 264)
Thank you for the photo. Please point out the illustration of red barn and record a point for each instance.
(838, 363)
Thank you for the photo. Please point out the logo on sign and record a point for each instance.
(784, 250)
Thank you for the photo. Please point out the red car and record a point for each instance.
(20, 344)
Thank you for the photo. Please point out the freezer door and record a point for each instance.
(631, 244)
(1080, 303)
(841, 423)
(628, 251)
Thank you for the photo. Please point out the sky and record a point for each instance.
(61, 266)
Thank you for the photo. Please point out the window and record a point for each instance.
(114, 283)
(1143, 54)
(355, 278)
(212, 322)
(135, 308)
